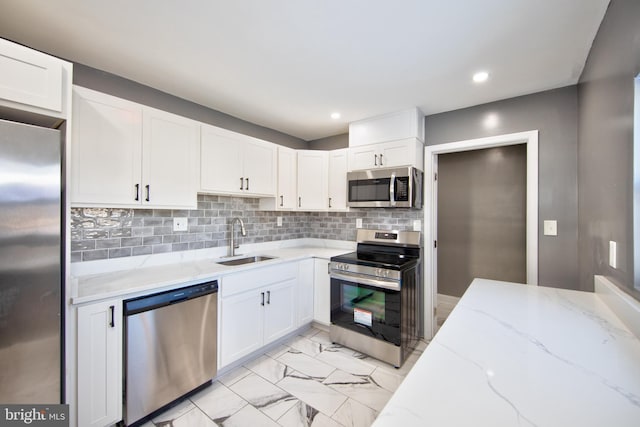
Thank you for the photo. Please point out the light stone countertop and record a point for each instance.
(518, 355)
(126, 278)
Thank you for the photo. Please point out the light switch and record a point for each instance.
(417, 225)
(358, 222)
(279, 221)
(550, 228)
(180, 224)
(613, 254)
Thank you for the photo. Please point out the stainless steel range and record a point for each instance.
(375, 295)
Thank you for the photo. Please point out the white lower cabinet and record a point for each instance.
(321, 292)
(256, 307)
(99, 347)
(305, 291)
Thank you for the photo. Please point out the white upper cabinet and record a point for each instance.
(32, 80)
(313, 182)
(169, 159)
(232, 163)
(287, 183)
(338, 165)
(405, 152)
(388, 127)
(125, 154)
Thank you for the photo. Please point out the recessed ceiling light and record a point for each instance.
(335, 116)
(480, 77)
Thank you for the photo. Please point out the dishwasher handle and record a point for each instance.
(175, 296)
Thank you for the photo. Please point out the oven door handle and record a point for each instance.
(366, 280)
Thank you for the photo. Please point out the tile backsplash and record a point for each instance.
(102, 233)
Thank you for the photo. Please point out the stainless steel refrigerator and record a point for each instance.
(30, 264)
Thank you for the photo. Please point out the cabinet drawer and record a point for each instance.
(256, 278)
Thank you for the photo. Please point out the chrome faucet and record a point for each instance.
(232, 243)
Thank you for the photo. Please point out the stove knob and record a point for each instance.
(346, 266)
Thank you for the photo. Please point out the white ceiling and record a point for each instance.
(288, 64)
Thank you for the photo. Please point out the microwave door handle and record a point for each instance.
(392, 190)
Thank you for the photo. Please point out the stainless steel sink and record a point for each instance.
(245, 260)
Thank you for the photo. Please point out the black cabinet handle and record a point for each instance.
(329, 201)
(148, 187)
(299, 202)
(268, 297)
(375, 161)
(381, 160)
(112, 322)
(241, 183)
(247, 184)
(262, 293)
(137, 192)
(281, 201)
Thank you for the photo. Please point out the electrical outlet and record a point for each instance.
(279, 221)
(551, 228)
(358, 222)
(180, 224)
(417, 225)
(613, 258)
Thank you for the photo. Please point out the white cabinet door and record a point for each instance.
(220, 160)
(30, 77)
(279, 310)
(170, 160)
(305, 291)
(232, 163)
(338, 179)
(321, 292)
(241, 325)
(99, 363)
(259, 168)
(313, 168)
(287, 178)
(404, 152)
(106, 154)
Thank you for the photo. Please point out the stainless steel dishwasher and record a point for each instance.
(170, 347)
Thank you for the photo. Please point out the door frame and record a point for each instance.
(530, 138)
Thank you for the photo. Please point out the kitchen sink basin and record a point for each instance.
(245, 260)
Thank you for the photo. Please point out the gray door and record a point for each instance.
(30, 264)
(481, 217)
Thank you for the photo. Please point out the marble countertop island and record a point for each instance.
(519, 355)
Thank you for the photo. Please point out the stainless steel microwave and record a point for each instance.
(385, 188)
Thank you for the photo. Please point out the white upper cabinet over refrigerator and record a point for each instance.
(232, 163)
(126, 154)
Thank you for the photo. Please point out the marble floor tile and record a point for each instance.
(174, 412)
(249, 417)
(265, 396)
(306, 364)
(354, 414)
(387, 379)
(303, 415)
(360, 388)
(278, 351)
(218, 402)
(312, 392)
(234, 376)
(322, 337)
(268, 368)
(193, 418)
(344, 362)
(306, 346)
(310, 332)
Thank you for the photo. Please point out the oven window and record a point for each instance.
(369, 190)
(367, 305)
(366, 309)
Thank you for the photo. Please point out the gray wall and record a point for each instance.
(605, 155)
(128, 89)
(330, 143)
(554, 114)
